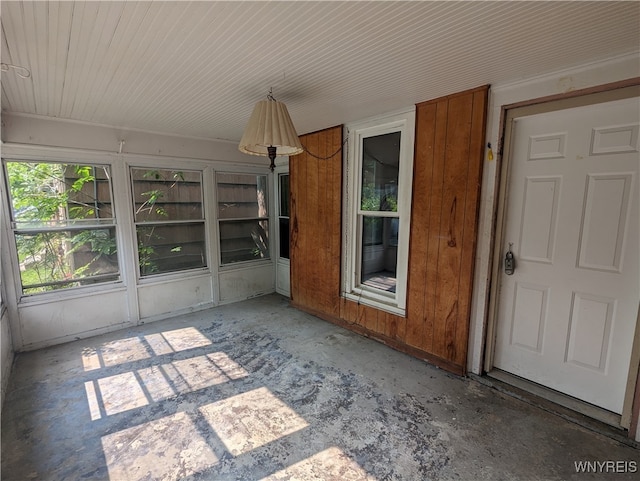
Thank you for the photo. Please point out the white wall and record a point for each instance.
(52, 318)
(6, 354)
(45, 131)
(6, 342)
(613, 70)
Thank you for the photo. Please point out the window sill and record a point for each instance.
(379, 302)
(71, 293)
(172, 276)
(234, 266)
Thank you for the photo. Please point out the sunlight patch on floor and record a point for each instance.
(186, 338)
(121, 393)
(331, 463)
(134, 389)
(92, 400)
(167, 448)
(137, 348)
(252, 419)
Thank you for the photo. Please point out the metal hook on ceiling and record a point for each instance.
(22, 72)
(270, 94)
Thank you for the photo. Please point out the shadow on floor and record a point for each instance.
(258, 390)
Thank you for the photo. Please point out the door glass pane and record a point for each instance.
(283, 222)
(379, 248)
(380, 167)
(284, 237)
(284, 195)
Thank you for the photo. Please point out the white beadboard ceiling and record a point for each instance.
(197, 69)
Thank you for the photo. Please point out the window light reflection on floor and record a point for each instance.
(171, 447)
(137, 348)
(133, 389)
(176, 446)
(332, 463)
(121, 393)
(252, 419)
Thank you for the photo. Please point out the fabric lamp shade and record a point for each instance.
(270, 126)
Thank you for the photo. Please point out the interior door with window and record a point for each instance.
(567, 310)
(283, 282)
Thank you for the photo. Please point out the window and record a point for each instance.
(243, 217)
(283, 215)
(63, 224)
(378, 195)
(169, 220)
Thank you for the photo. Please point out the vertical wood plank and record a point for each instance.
(361, 315)
(437, 189)
(470, 223)
(343, 308)
(453, 198)
(372, 319)
(334, 201)
(352, 312)
(401, 327)
(420, 208)
(383, 325)
(295, 180)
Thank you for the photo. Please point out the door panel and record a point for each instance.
(605, 221)
(567, 316)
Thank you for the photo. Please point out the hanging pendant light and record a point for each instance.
(270, 132)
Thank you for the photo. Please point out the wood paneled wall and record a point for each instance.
(449, 152)
(315, 223)
(448, 160)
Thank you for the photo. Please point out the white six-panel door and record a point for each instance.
(567, 315)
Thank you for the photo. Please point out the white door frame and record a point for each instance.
(531, 107)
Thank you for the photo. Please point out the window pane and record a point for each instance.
(47, 196)
(54, 194)
(242, 196)
(379, 252)
(60, 259)
(284, 237)
(90, 193)
(244, 240)
(380, 167)
(169, 248)
(166, 195)
(371, 231)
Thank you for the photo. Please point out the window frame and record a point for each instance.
(353, 288)
(13, 230)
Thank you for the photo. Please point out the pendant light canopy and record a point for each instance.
(270, 132)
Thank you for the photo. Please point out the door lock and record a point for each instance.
(509, 261)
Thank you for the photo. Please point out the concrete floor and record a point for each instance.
(259, 390)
